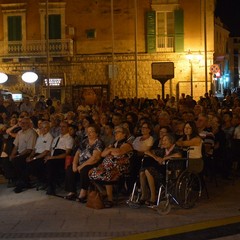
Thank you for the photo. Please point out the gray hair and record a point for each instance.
(123, 129)
(170, 137)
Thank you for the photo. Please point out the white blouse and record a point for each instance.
(195, 151)
(142, 145)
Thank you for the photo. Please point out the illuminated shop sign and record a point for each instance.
(54, 82)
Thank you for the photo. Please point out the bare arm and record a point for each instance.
(13, 153)
(96, 156)
(107, 151)
(196, 141)
(75, 161)
(125, 148)
(151, 154)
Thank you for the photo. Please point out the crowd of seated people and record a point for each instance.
(35, 142)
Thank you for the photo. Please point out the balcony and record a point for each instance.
(57, 48)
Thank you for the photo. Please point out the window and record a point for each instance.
(54, 23)
(56, 20)
(14, 27)
(14, 24)
(165, 27)
(165, 30)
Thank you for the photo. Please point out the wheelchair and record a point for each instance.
(178, 187)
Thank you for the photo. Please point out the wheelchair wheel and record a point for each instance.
(188, 189)
(164, 207)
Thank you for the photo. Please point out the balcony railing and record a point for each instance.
(57, 48)
(165, 44)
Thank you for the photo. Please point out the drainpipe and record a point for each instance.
(136, 51)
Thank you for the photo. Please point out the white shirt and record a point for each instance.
(195, 151)
(142, 145)
(65, 142)
(25, 140)
(43, 143)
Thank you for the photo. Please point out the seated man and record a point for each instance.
(23, 146)
(55, 162)
(35, 162)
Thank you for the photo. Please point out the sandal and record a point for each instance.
(108, 204)
(70, 197)
(81, 199)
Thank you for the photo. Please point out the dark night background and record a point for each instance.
(229, 13)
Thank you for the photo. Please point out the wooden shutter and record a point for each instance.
(54, 26)
(14, 28)
(151, 31)
(179, 30)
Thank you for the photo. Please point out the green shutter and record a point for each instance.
(14, 28)
(151, 31)
(54, 26)
(179, 30)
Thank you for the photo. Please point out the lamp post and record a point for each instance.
(190, 58)
(193, 56)
(47, 49)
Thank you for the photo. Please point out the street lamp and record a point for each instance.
(29, 77)
(3, 77)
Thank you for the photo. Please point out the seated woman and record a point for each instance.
(85, 158)
(141, 144)
(145, 141)
(115, 162)
(154, 167)
(193, 142)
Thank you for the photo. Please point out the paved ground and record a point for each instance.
(34, 215)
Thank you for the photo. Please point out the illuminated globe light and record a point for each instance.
(29, 77)
(3, 77)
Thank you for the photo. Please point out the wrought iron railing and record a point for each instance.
(165, 44)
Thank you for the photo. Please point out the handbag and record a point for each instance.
(68, 161)
(94, 200)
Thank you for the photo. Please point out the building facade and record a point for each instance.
(222, 79)
(106, 48)
(234, 62)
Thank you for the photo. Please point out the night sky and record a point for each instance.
(229, 13)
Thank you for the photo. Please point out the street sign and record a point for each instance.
(162, 71)
(214, 68)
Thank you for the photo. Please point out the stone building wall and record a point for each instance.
(94, 70)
